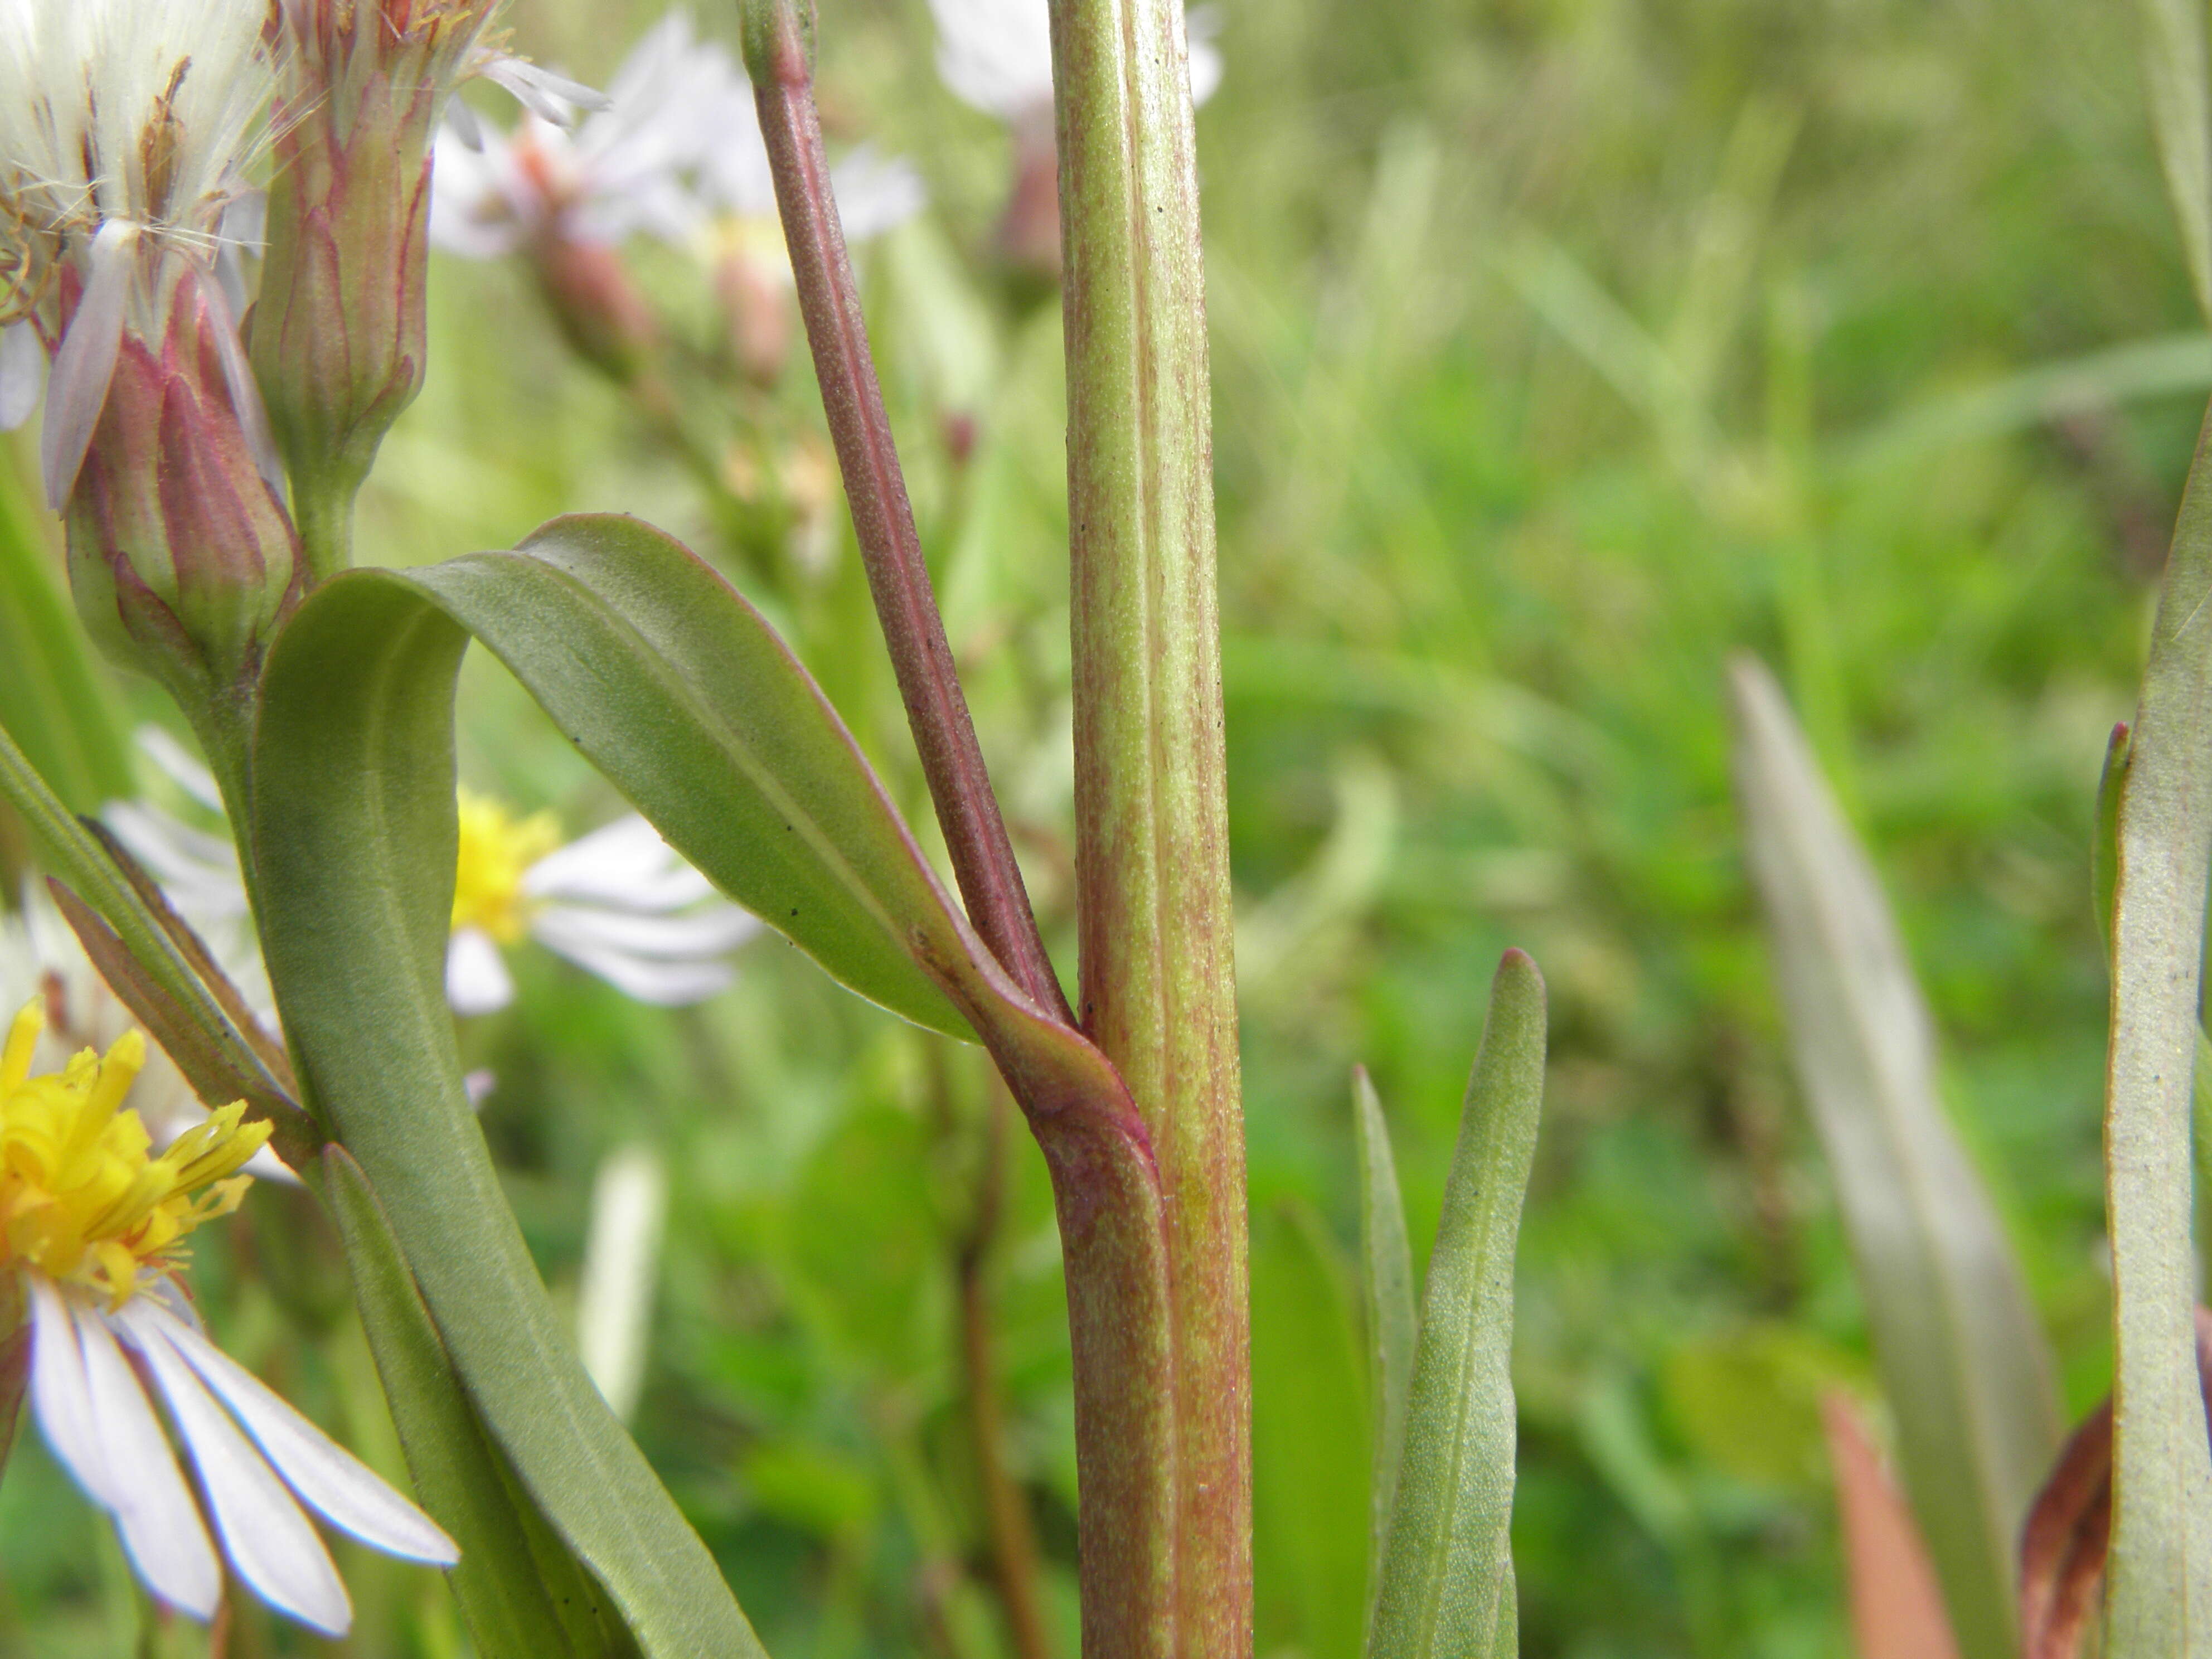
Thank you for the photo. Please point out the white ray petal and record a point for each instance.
(625, 863)
(160, 1523)
(622, 1254)
(180, 766)
(245, 392)
(86, 362)
(550, 97)
(61, 1393)
(23, 373)
(267, 1538)
(198, 869)
(476, 979)
(330, 1479)
(669, 984)
(876, 193)
(695, 936)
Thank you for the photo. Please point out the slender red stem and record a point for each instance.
(882, 519)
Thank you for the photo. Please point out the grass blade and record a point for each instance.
(2181, 110)
(1446, 1584)
(1387, 1278)
(1963, 1362)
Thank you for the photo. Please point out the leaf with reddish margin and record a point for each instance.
(2069, 1529)
(1897, 1607)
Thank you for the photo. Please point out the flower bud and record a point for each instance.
(337, 334)
(181, 558)
(603, 313)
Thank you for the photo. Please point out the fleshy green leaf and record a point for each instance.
(1309, 1461)
(53, 700)
(355, 841)
(458, 1474)
(2159, 1582)
(1387, 1276)
(1963, 1362)
(619, 632)
(668, 682)
(1447, 1586)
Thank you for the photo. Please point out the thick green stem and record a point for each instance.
(1158, 990)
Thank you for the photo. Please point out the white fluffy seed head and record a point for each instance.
(141, 112)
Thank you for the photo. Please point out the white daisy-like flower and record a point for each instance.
(95, 1246)
(678, 144)
(125, 129)
(626, 170)
(41, 960)
(619, 902)
(996, 55)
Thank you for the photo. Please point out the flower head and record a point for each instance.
(619, 903)
(339, 332)
(93, 1232)
(84, 1202)
(126, 130)
(676, 154)
(997, 55)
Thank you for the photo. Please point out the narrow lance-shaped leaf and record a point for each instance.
(667, 680)
(457, 1471)
(2159, 1596)
(355, 839)
(1446, 1584)
(1963, 1362)
(1387, 1277)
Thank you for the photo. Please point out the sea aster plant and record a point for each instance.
(93, 1231)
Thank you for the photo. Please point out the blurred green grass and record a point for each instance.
(1560, 347)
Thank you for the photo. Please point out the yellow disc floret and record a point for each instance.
(82, 1199)
(497, 849)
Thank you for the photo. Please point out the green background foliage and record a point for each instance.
(1561, 347)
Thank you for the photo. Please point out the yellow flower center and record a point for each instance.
(82, 1199)
(497, 849)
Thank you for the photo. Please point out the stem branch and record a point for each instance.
(778, 55)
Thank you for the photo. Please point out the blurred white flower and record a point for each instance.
(619, 902)
(997, 54)
(621, 1259)
(626, 170)
(678, 143)
(95, 1244)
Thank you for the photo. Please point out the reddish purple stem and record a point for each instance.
(882, 519)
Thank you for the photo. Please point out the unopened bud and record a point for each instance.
(338, 333)
(601, 311)
(181, 558)
(1029, 230)
(753, 286)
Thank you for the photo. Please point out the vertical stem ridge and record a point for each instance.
(1157, 981)
(883, 520)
